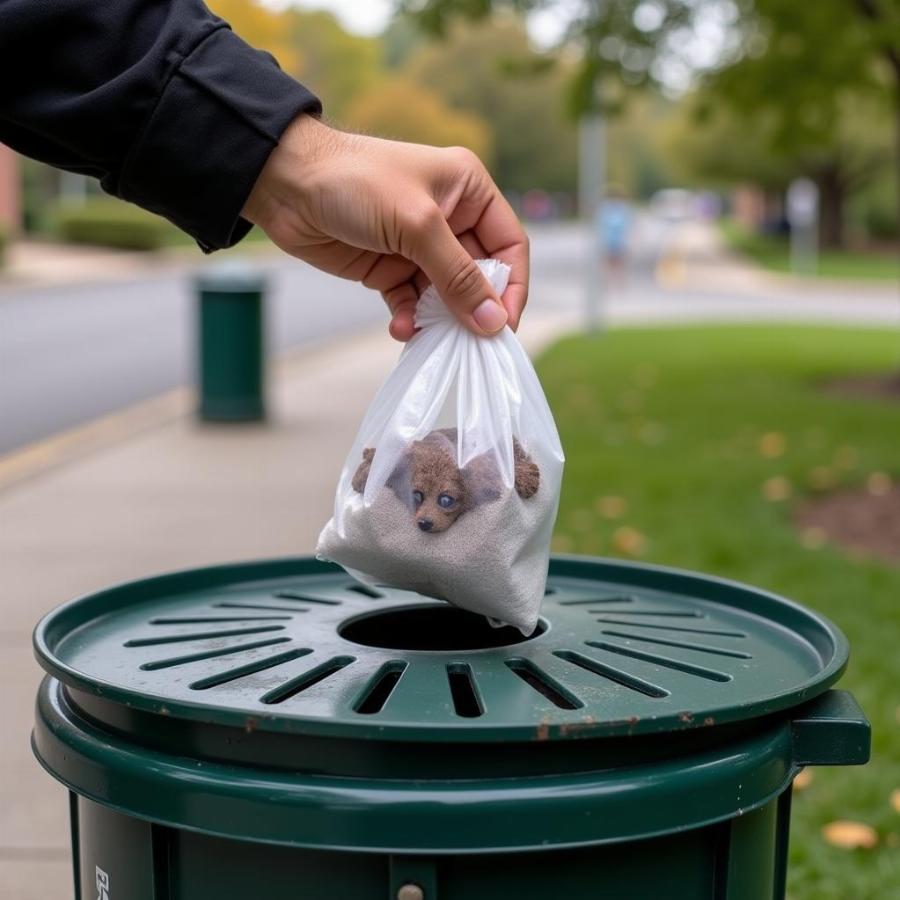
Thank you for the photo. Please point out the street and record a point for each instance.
(69, 354)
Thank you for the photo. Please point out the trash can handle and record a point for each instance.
(831, 730)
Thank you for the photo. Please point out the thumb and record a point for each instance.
(466, 292)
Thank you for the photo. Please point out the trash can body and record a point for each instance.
(274, 729)
(231, 344)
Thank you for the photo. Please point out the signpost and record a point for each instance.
(803, 217)
(591, 173)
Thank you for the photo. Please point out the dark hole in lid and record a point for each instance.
(466, 701)
(431, 628)
(380, 688)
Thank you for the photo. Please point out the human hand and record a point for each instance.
(396, 217)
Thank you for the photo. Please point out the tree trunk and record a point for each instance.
(832, 198)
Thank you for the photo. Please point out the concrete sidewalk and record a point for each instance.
(148, 491)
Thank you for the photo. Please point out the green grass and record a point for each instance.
(671, 421)
(774, 253)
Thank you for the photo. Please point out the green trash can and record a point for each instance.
(276, 730)
(231, 343)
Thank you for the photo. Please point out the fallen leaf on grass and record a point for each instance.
(850, 835)
(813, 538)
(628, 540)
(878, 484)
(803, 780)
(777, 488)
(771, 444)
(821, 478)
(846, 457)
(895, 800)
(611, 507)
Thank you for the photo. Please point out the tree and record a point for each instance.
(397, 108)
(259, 26)
(493, 71)
(335, 64)
(799, 63)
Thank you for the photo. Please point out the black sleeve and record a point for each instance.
(159, 99)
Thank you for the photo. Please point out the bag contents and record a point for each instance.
(452, 485)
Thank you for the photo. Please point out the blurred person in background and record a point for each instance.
(172, 111)
(613, 228)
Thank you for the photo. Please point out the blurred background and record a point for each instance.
(712, 189)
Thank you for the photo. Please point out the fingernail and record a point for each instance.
(490, 316)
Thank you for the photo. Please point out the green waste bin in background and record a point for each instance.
(231, 342)
(276, 730)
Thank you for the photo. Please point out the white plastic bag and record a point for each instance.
(452, 485)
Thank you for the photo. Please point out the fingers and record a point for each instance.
(436, 250)
(502, 236)
(402, 298)
(401, 301)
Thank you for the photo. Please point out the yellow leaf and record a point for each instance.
(611, 507)
(813, 538)
(772, 444)
(850, 835)
(803, 780)
(777, 489)
(821, 478)
(629, 541)
(895, 800)
(878, 484)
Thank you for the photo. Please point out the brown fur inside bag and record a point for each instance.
(437, 491)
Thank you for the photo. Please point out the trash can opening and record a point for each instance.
(431, 627)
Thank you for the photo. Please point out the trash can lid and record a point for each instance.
(295, 646)
(231, 276)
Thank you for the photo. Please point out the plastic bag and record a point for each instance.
(452, 485)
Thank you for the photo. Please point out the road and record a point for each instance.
(70, 354)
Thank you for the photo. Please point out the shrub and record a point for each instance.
(111, 223)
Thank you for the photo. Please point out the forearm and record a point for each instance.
(161, 101)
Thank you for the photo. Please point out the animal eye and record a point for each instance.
(446, 501)
(418, 497)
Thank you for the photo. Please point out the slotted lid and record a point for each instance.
(296, 646)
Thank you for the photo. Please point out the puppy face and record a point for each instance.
(438, 489)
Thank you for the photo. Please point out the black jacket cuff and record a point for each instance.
(219, 117)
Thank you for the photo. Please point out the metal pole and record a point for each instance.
(591, 176)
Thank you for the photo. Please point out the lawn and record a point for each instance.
(773, 253)
(687, 447)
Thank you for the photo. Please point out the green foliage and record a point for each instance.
(672, 421)
(337, 65)
(492, 71)
(773, 253)
(400, 109)
(108, 222)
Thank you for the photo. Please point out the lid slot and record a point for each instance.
(613, 674)
(546, 686)
(210, 654)
(294, 595)
(615, 599)
(681, 614)
(211, 620)
(289, 609)
(731, 634)
(464, 692)
(366, 591)
(200, 636)
(378, 691)
(665, 661)
(249, 669)
(307, 680)
(700, 648)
